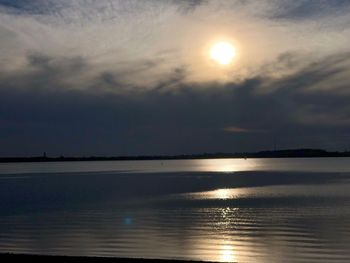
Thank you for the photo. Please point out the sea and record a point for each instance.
(223, 210)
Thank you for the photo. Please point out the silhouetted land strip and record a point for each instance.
(298, 153)
(63, 259)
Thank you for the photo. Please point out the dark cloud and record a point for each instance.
(177, 76)
(35, 7)
(53, 7)
(189, 5)
(40, 110)
(310, 9)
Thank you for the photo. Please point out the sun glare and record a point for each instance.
(227, 254)
(223, 53)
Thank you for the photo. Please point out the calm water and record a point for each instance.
(266, 210)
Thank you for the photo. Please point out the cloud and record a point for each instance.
(91, 8)
(189, 5)
(311, 9)
(43, 108)
(31, 7)
(113, 35)
(131, 77)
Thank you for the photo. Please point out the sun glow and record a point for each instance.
(223, 53)
(227, 254)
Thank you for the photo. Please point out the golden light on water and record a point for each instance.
(227, 254)
(223, 53)
(227, 165)
(218, 194)
(223, 194)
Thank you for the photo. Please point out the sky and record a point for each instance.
(116, 77)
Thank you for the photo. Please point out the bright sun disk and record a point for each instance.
(223, 53)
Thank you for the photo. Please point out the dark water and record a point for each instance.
(267, 210)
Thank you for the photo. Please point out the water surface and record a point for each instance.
(255, 210)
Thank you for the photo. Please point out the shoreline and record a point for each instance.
(12, 257)
(295, 153)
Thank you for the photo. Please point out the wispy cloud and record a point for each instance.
(55, 111)
(311, 9)
(136, 74)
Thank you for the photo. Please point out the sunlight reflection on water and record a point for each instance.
(227, 254)
(259, 217)
(196, 165)
(227, 165)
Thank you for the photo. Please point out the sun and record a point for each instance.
(223, 53)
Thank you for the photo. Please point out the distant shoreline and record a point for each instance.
(68, 259)
(298, 153)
